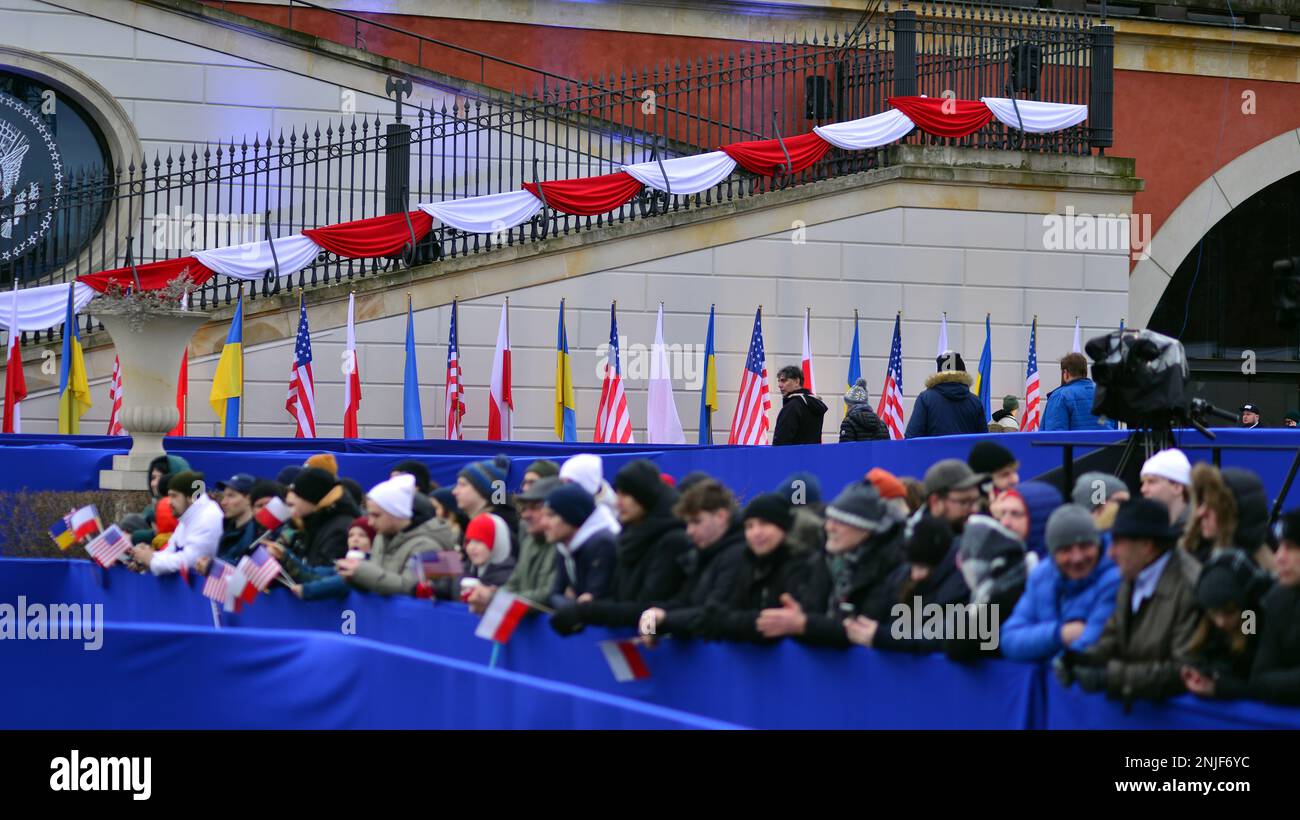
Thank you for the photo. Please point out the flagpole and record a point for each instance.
(216, 616)
(496, 652)
(242, 406)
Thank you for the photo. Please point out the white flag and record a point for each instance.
(943, 336)
(663, 425)
(1077, 347)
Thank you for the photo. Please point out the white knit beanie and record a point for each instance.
(1170, 464)
(394, 496)
(585, 470)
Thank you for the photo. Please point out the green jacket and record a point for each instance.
(388, 571)
(535, 572)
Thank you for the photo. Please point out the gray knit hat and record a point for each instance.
(859, 505)
(1087, 484)
(857, 394)
(1070, 524)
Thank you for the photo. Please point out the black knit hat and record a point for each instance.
(266, 488)
(312, 484)
(185, 483)
(1143, 518)
(417, 469)
(950, 360)
(987, 457)
(1230, 579)
(288, 474)
(773, 508)
(571, 503)
(640, 479)
(1287, 527)
(930, 541)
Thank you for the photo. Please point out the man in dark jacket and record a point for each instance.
(239, 530)
(1069, 407)
(1146, 640)
(850, 577)
(646, 566)
(584, 569)
(929, 575)
(946, 406)
(325, 511)
(861, 422)
(800, 419)
(769, 568)
(713, 526)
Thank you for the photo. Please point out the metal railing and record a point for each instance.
(233, 191)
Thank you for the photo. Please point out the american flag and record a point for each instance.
(115, 399)
(749, 425)
(301, 402)
(1033, 406)
(216, 586)
(455, 402)
(613, 422)
(890, 409)
(259, 568)
(437, 564)
(109, 546)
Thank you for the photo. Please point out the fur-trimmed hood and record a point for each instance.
(949, 376)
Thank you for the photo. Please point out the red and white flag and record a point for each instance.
(807, 353)
(15, 382)
(455, 400)
(613, 421)
(750, 424)
(625, 660)
(351, 377)
(275, 513)
(84, 521)
(501, 400)
(1033, 416)
(502, 616)
(115, 400)
(301, 401)
(182, 392)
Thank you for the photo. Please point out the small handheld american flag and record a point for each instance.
(109, 546)
(259, 568)
(891, 398)
(438, 564)
(217, 584)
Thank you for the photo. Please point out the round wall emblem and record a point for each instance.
(31, 178)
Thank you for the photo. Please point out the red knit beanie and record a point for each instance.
(482, 529)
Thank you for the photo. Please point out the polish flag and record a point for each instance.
(625, 661)
(501, 400)
(352, 382)
(85, 521)
(275, 513)
(15, 383)
(807, 353)
(502, 616)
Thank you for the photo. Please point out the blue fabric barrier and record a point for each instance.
(781, 686)
(152, 676)
(51, 462)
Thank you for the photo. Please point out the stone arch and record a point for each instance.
(1222, 191)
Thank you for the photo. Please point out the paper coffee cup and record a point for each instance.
(358, 555)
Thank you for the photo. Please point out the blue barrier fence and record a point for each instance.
(781, 686)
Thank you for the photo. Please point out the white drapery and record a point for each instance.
(253, 259)
(1037, 117)
(868, 132)
(686, 175)
(44, 307)
(485, 214)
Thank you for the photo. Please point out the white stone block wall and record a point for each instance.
(920, 261)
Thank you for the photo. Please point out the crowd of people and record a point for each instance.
(1181, 587)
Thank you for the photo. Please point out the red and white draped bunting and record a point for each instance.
(41, 308)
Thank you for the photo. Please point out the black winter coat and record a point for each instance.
(869, 593)
(1275, 674)
(800, 419)
(862, 424)
(758, 584)
(647, 567)
(323, 538)
(943, 586)
(593, 566)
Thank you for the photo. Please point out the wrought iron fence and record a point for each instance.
(228, 192)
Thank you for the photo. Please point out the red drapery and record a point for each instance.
(961, 117)
(587, 196)
(376, 236)
(153, 276)
(763, 156)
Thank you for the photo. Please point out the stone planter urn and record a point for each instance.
(149, 341)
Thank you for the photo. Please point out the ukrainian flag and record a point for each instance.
(855, 357)
(63, 534)
(228, 383)
(709, 392)
(983, 386)
(566, 416)
(74, 389)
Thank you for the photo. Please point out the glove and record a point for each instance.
(567, 620)
(1091, 678)
(1064, 671)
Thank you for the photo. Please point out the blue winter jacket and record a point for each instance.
(1069, 407)
(1033, 632)
(947, 407)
